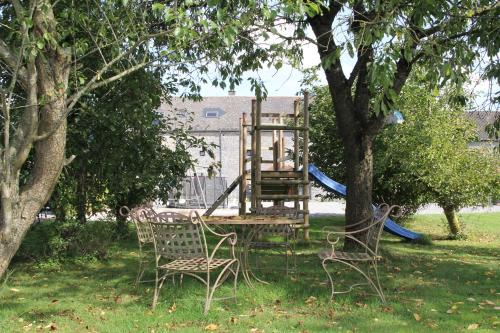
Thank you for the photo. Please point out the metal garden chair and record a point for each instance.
(141, 216)
(181, 248)
(286, 231)
(365, 260)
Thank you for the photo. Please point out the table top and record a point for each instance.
(251, 220)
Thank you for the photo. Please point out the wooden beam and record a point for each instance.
(282, 197)
(253, 163)
(243, 160)
(258, 154)
(296, 161)
(281, 174)
(283, 127)
(223, 196)
(305, 165)
(281, 181)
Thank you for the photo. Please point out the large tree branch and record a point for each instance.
(18, 8)
(73, 99)
(26, 130)
(321, 25)
(92, 84)
(362, 94)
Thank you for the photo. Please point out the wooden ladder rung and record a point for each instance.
(269, 127)
(282, 182)
(282, 197)
(282, 174)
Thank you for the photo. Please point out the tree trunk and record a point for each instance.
(121, 222)
(452, 219)
(42, 127)
(81, 196)
(10, 240)
(359, 166)
(57, 206)
(49, 160)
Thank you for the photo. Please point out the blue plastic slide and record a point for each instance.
(332, 186)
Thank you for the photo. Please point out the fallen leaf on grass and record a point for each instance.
(419, 301)
(51, 327)
(473, 326)
(172, 308)
(14, 290)
(211, 327)
(233, 320)
(255, 330)
(417, 317)
(310, 300)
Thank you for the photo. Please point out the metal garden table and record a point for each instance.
(251, 225)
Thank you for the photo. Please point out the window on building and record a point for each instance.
(212, 114)
(202, 153)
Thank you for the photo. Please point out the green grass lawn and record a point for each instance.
(449, 286)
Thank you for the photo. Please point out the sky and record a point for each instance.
(282, 82)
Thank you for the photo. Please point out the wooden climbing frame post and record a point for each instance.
(279, 183)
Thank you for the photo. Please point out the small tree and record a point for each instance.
(436, 163)
(426, 159)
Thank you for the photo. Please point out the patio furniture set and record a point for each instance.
(178, 246)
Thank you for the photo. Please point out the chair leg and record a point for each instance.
(379, 291)
(236, 280)
(141, 269)
(286, 256)
(158, 285)
(211, 289)
(291, 247)
(155, 296)
(323, 263)
(207, 298)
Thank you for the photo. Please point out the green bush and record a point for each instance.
(51, 241)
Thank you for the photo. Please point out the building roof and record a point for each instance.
(483, 119)
(216, 113)
(224, 112)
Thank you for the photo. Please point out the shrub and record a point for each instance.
(52, 241)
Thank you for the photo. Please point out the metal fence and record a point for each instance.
(198, 192)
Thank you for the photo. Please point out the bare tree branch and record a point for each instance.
(10, 59)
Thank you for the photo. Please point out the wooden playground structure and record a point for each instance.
(272, 179)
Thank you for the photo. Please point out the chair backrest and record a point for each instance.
(181, 239)
(170, 217)
(276, 211)
(141, 216)
(380, 215)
